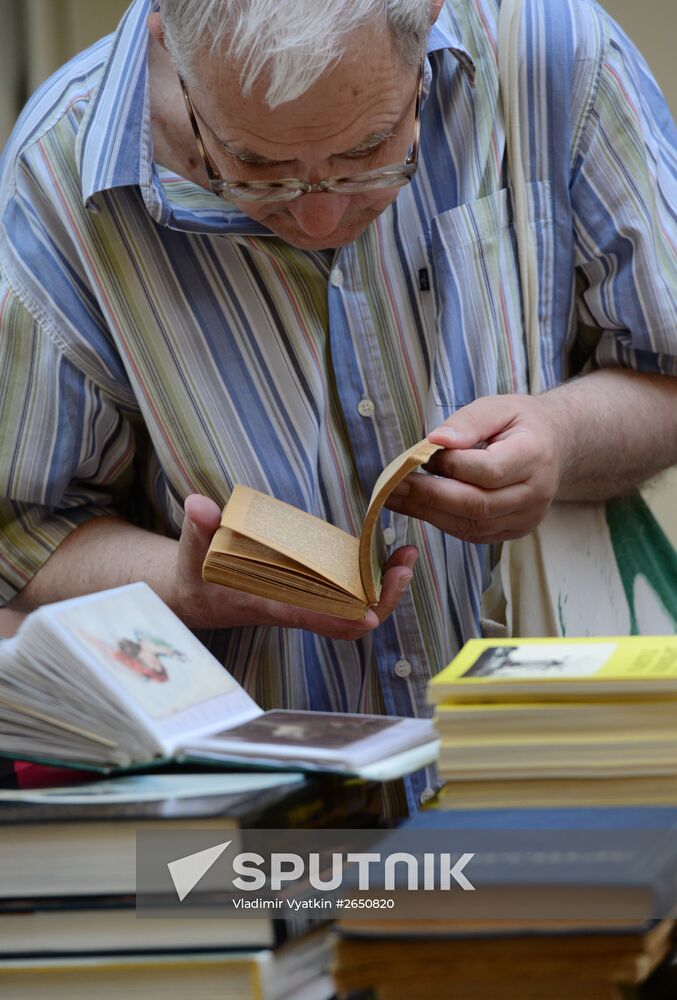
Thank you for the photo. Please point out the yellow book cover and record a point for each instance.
(547, 669)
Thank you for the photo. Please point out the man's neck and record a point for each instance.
(173, 141)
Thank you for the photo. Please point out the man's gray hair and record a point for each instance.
(295, 41)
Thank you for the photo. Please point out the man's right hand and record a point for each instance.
(209, 605)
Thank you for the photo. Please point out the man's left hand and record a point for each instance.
(497, 476)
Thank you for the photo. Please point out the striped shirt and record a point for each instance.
(154, 342)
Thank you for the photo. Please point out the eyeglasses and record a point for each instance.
(288, 189)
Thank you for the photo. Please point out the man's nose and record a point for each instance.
(319, 215)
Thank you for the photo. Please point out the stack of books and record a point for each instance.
(68, 922)
(547, 722)
(560, 904)
(114, 682)
(559, 759)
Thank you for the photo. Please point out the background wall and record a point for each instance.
(39, 35)
(652, 25)
(57, 29)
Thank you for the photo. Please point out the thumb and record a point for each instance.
(476, 422)
(202, 519)
(406, 556)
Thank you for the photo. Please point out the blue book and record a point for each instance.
(603, 867)
(573, 818)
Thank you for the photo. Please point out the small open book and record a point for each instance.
(269, 548)
(115, 680)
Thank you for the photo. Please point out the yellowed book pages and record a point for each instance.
(506, 989)
(566, 760)
(466, 722)
(371, 553)
(267, 547)
(626, 790)
(309, 541)
(628, 743)
(401, 971)
(382, 963)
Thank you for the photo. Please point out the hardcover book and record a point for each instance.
(81, 840)
(269, 548)
(610, 867)
(297, 970)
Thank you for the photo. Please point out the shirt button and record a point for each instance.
(389, 535)
(336, 277)
(366, 408)
(426, 795)
(402, 668)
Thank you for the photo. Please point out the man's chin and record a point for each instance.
(289, 232)
(304, 242)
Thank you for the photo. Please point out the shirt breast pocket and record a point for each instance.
(479, 340)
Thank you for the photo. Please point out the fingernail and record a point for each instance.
(404, 581)
(443, 435)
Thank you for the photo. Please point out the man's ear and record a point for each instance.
(435, 10)
(155, 28)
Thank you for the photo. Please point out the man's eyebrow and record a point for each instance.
(372, 142)
(368, 145)
(248, 156)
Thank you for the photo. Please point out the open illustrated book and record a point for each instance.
(269, 548)
(115, 680)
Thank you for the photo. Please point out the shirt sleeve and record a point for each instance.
(66, 448)
(624, 197)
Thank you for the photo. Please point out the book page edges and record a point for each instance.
(53, 720)
(48, 622)
(186, 719)
(301, 598)
(393, 474)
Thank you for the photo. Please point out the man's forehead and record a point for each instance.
(353, 103)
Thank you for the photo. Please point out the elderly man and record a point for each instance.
(271, 243)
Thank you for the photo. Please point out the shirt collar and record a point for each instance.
(114, 141)
(114, 144)
(446, 33)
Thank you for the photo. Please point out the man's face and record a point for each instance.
(357, 117)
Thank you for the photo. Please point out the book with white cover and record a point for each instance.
(115, 680)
